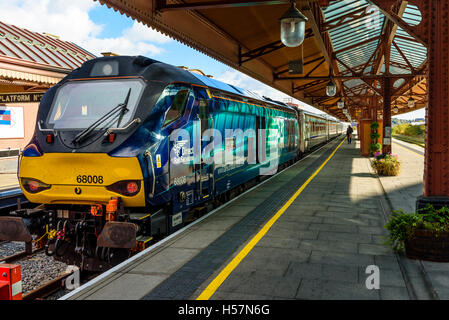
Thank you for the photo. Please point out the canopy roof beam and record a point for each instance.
(361, 77)
(396, 19)
(162, 5)
(346, 19)
(266, 49)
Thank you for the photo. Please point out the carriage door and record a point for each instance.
(205, 170)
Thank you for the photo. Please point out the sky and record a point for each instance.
(97, 29)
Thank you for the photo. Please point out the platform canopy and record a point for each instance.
(360, 41)
(35, 61)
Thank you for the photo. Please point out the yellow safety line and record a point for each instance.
(221, 277)
(141, 218)
(408, 149)
(151, 238)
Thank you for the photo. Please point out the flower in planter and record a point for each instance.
(386, 165)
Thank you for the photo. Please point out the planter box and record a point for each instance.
(428, 245)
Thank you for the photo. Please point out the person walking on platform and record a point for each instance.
(349, 133)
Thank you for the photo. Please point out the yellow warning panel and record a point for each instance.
(158, 161)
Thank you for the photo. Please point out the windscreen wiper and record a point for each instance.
(121, 109)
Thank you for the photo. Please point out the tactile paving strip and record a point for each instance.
(186, 280)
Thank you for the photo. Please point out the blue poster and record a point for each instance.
(5, 117)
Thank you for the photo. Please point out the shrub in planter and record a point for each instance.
(374, 147)
(423, 235)
(386, 164)
(375, 136)
(374, 125)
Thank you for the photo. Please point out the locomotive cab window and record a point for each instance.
(79, 104)
(174, 99)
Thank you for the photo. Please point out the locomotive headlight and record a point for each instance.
(105, 68)
(132, 187)
(34, 186)
(127, 188)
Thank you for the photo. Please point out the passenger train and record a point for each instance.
(129, 149)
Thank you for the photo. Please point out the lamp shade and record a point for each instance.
(331, 88)
(293, 26)
(340, 104)
(395, 109)
(411, 102)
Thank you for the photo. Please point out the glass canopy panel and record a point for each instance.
(351, 36)
(351, 29)
(412, 15)
(414, 51)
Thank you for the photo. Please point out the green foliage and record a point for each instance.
(375, 136)
(420, 141)
(374, 147)
(374, 125)
(402, 225)
(407, 129)
(386, 165)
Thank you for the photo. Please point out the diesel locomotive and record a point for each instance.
(129, 149)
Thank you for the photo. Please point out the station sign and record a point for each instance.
(21, 97)
(11, 122)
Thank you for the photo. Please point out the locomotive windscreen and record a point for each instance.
(79, 104)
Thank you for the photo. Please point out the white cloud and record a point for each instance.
(141, 32)
(67, 19)
(71, 22)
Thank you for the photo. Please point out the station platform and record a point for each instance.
(8, 173)
(309, 232)
(401, 192)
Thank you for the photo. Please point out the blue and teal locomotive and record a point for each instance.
(128, 149)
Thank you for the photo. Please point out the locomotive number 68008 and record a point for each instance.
(89, 179)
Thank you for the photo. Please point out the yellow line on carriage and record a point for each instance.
(221, 277)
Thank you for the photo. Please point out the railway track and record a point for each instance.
(47, 289)
(18, 255)
(41, 276)
(10, 199)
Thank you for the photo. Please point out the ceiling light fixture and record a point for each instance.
(293, 27)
